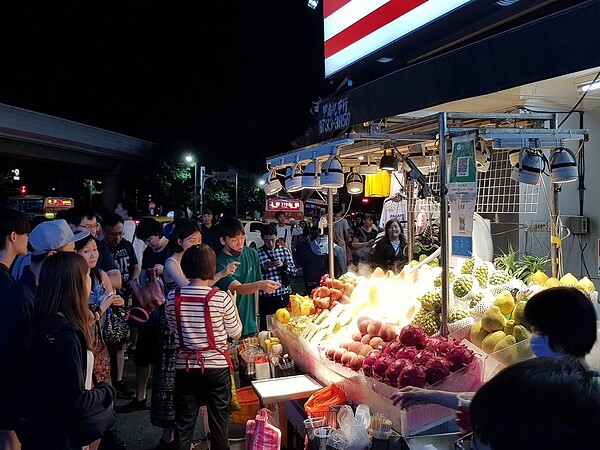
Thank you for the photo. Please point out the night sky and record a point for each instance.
(237, 75)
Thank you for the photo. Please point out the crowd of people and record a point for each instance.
(196, 287)
(61, 283)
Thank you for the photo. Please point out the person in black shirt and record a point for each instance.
(14, 229)
(209, 235)
(45, 239)
(123, 254)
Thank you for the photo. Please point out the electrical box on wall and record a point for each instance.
(577, 224)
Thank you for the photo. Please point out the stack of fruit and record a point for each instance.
(415, 359)
(503, 324)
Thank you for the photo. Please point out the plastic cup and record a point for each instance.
(310, 425)
(465, 399)
(322, 436)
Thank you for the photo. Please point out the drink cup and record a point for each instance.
(310, 425)
(322, 436)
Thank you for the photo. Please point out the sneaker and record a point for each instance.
(133, 405)
(122, 391)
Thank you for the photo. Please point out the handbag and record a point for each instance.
(101, 357)
(262, 433)
(152, 294)
(116, 327)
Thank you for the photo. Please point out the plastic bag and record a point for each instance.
(262, 433)
(319, 402)
(152, 294)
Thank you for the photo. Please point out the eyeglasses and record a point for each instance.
(90, 226)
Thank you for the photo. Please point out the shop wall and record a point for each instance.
(581, 251)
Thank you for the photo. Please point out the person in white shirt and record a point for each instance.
(284, 232)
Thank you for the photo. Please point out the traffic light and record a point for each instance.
(23, 190)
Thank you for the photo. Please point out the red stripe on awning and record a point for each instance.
(331, 6)
(370, 23)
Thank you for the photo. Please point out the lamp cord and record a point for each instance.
(578, 102)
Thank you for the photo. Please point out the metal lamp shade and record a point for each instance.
(332, 175)
(563, 167)
(293, 178)
(354, 183)
(529, 167)
(272, 184)
(366, 167)
(311, 176)
(388, 162)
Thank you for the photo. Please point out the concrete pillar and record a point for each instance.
(110, 187)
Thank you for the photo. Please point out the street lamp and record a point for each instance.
(189, 159)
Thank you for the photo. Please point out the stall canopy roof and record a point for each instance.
(535, 67)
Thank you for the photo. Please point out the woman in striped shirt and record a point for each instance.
(202, 320)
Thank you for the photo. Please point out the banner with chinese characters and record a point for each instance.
(462, 194)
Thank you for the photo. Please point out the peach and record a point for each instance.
(331, 353)
(347, 357)
(375, 342)
(388, 332)
(366, 338)
(363, 323)
(356, 362)
(338, 354)
(345, 344)
(374, 327)
(365, 349)
(355, 346)
(357, 336)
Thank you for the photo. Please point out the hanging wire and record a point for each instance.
(578, 102)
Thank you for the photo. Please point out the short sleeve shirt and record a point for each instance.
(248, 271)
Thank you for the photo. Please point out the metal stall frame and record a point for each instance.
(504, 130)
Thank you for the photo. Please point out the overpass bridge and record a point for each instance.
(47, 145)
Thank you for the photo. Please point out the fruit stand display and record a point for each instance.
(374, 335)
